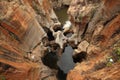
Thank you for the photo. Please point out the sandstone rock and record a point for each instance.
(21, 34)
(102, 33)
(60, 39)
(47, 73)
(80, 13)
(56, 3)
(15, 66)
(110, 73)
(25, 23)
(66, 2)
(82, 47)
(60, 3)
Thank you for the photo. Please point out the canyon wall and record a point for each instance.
(96, 27)
(27, 31)
(22, 24)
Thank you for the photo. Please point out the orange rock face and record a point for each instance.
(103, 34)
(13, 65)
(21, 23)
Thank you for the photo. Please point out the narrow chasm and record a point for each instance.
(60, 53)
(86, 44)
(62, 63)
(59, 57)
(59, 39)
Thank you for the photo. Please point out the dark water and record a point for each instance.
(66, 63)
(62, 14)
(63, 64)
(61, 75)
(68, 34)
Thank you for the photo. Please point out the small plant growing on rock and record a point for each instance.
(109, 61)
(109, 64)
(117, 52)
(114, 58)
(2, 77)
(80, 17)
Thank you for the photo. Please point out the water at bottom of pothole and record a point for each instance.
(61, 75)
(63, 64)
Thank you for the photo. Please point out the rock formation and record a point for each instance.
(29, 30)
(21, 34)
(97, 25)
(60, 3)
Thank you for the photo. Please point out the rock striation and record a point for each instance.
(22, 25)
(29, 30)
(96, 23)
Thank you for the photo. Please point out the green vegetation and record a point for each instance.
(109, 64)
(2, 77)
(117, 52)
(116, 57)
(109, 61)
(80, 17)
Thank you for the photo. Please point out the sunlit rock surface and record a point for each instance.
(21, 33)
(27, 32)
(97, 22)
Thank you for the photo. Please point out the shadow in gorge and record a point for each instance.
(61, 75)
(50, 60)
(65, 62)
(79, 57)
(49, 33)
(62, 63)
